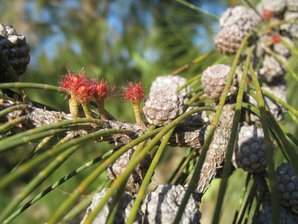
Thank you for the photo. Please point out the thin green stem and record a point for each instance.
(101, 168)
(135, 162)
(289, 46)
(22, 85)
(118, 197)
(12, 123)
(11, 109)
(197, 171)
(56, 184)
(188, 65)
(194, 98)
(34, 151)
(41, 176)
(73, 106)
(21, 170)
(86, 109)
(191, 6)
(116, 203)
(248, 200)
(29, 135)
(5, 144)
(281, 102)
(231, 144)
(185, 160)
(137, 113)
(285, 65)
(289, 149)
(146, 181)
(268, 147)
(279, 133)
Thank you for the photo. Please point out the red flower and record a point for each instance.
(134, 92)
(267, 14)
(100, 90)
(78, 85)
(275, 38)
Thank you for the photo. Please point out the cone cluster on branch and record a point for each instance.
(169, 98)
(273, 41)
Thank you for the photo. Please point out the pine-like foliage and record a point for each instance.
(226, 118)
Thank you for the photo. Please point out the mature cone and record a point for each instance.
(136, 178)
(229, 39)
(163, 106)
(287, 180)
(291, 28)
(170, 82)
(276, 6)
(292, 5)
(286, 217)
(281, 49)
(15, 48)
(122, 213)
(250, 155)
(272, 69)
(162, 204)
(244, 18)
(214, 79)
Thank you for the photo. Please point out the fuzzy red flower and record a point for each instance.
(100, 90)
(134, 92)
(78, 85)
(275, 38)
(267, 14)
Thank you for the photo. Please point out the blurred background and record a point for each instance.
(118, 41)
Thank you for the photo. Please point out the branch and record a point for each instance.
(184, 136)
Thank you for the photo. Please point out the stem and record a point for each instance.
(289, 45)
(40, 132)
(86, 109)
(11, 109)
(283, 103)
(231, 145)
(146, 181)
(82, 187)
(21, 170)
(137, 112)
(73, 107)
(268, 147)
(88, 181)
(40, 146)
(42, 175)
(197, 171)
(10, 124)
(186, 66)
(21, 85)
(191, 6)
(285, 65)
(56, 184)
(104, 115)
